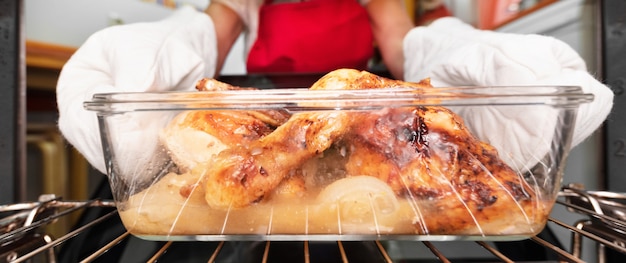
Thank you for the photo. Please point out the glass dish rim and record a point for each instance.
(303, 99)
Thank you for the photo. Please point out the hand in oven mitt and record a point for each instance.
(171, 54)
(453, 53)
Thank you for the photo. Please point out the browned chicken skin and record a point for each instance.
(193, 137)
(271, 117)
(244, 175)
(425, 154)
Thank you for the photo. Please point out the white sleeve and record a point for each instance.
(171, 54)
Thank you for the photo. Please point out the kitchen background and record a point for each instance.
(55, 28)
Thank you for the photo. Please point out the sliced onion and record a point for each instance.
(359, 198)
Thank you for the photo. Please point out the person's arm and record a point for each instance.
(390, 23)
(228, 27)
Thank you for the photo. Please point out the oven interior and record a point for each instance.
(39, 231)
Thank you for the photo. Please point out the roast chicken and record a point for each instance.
(246, 174)
(194, 137)
(425, 154)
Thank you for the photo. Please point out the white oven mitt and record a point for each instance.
(166, 55)
(453, 53)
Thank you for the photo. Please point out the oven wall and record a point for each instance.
(12, 112)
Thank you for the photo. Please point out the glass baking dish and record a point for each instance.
(453, 163)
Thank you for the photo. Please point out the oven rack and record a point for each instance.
(24, 237)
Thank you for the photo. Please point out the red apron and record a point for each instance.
(311, 36)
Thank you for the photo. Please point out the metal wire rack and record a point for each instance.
(23, 236)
